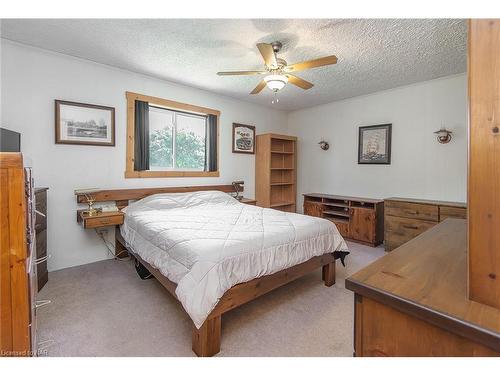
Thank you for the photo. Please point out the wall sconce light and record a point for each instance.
(324, 145)
(238, 186)
(443, 135)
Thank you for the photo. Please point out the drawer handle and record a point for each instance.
(42, 259)
(40, 213)
(42, 302)
(412, 212)
(410, 226)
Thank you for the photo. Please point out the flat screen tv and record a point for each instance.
(10, 141)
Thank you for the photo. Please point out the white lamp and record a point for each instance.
(276, 81)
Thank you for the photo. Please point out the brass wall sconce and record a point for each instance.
(443, 135)
(324, 145)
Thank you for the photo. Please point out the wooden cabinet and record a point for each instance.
(357, 219)
(313, 208)
(275, 171)
(405, 219)
(18, 284)
(362, 224)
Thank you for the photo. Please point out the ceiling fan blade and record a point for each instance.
(328, 60)
(242, 73)
(259, 87)
(267, 52)
(302, 83)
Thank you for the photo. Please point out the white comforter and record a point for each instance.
(206, 242)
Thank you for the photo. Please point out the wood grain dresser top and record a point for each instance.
(428, 201)
(343, 197)
(427, 278)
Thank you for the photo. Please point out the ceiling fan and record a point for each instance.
(279, 73)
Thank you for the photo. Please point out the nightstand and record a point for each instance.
(252, 202)
(100, 219)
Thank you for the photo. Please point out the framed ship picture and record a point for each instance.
(374, 145)
(84, 124)
(243, 139)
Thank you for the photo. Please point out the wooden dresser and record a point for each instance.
(18, 286)
(357, 219)
(275, 171)
(407, 218)
(413, 301)
(41, 236)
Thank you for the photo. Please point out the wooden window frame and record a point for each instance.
(168, 104)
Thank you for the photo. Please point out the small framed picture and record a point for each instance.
(84, 124)
(243, 139)
(375, 144)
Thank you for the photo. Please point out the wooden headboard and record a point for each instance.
(122, 196)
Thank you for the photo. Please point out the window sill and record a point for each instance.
(159, 174)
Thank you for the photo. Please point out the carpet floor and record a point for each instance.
(105, 309)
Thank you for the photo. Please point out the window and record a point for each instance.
(176, 140)
(170, 139)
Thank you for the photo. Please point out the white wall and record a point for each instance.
(30, 81)
(420, 167)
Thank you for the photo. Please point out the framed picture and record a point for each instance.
(243, 139)
(375, 144)
(84, 124)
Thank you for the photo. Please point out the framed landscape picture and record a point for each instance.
(243, 139)
(374, 145)
(84, 124)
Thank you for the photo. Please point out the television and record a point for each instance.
(10, 141)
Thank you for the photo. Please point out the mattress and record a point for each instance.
(206, 242)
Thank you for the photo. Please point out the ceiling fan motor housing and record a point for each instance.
(276, 46)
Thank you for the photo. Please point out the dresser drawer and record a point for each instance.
(96, 222)
(412, 210)
(446, 212)
(41, 211)
(391, 243)
(399, 230)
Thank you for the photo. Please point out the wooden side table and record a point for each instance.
(100, 219)
(252, 202)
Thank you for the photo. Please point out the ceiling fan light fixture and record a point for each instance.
(276, 81)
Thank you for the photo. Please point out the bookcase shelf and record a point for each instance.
(275, 171)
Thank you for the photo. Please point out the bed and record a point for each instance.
(214, 253)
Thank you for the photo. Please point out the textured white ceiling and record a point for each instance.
(373, 54)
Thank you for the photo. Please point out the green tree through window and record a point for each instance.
(189, 143)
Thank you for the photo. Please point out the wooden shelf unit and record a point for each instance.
(275, 171)
(357, 219)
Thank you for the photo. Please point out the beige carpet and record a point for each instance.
(105, 309)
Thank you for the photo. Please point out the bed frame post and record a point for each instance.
(206, 340)
(329, 274)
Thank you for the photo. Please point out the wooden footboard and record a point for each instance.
(207, 339)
